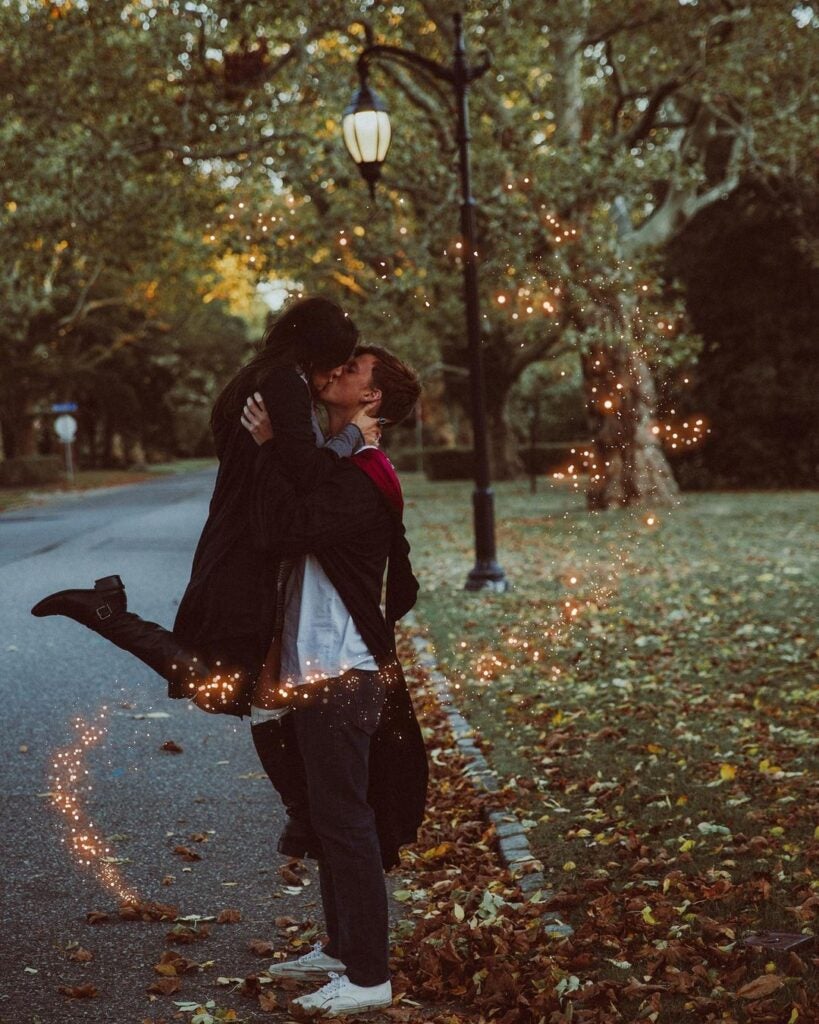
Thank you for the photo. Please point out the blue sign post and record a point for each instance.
(64, 407)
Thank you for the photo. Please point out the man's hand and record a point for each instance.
(256, 420)
(368, 424)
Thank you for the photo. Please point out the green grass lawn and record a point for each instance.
(651, 691)
(89, 479)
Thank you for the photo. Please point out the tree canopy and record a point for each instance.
(155, 155)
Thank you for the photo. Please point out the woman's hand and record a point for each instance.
(368, 424)
(256, 420)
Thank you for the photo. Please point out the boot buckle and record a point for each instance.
(104, 611)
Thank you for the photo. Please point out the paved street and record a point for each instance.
(146, 800)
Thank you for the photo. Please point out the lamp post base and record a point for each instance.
(487, 575)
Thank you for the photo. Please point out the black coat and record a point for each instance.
(348, 524)
(226, 612)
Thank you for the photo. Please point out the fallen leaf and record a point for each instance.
(251, 986)
(260, 947)
(171, 747)
(172, 963)
(96, 917)
(229, 917)
(441, 850)
(764, 985)
(165, 986)
(147, 911)
(186, 853)
(268, 1001)
(79, 991)
(82, 956)
(181, 933)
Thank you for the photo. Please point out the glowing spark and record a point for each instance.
(83, 839)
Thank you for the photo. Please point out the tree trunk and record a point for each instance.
(504, 463)
(627, 466)
(19, 428)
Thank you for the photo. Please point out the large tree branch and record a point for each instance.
(100, 353)
(661, 93)
(621, 90)
(80, 306)
(684, 199)
(534, 353)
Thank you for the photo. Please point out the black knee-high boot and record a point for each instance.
(105, 610)
(278, 750)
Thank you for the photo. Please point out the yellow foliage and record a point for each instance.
(234, 283)
(349, 282)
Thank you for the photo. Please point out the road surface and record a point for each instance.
(146, 801)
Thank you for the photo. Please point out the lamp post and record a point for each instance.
(367, 134)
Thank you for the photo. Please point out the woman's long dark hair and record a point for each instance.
(314, 334)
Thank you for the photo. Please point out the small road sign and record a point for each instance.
(66, 427)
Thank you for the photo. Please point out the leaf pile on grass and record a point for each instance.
(661, 742)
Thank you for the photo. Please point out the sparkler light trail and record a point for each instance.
(69, 785)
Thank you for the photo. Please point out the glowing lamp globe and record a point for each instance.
(367, 133)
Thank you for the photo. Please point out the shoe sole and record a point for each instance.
(316, 1011)
(318, 972)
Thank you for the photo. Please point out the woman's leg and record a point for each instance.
(104, 609)
(278, 751)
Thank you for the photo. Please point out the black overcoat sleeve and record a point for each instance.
(344, 504)
(289, 407)
(402, 586)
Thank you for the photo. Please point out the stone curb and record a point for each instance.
(513, 844)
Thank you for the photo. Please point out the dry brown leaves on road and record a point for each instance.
(186, 853)
(78, 991)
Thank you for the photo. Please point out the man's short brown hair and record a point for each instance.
(397, 382)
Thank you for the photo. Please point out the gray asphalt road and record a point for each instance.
(146, 801)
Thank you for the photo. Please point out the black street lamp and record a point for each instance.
(367, 131)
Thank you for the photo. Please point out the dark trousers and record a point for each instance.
(317, 757)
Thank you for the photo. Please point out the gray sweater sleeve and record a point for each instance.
(346, 442)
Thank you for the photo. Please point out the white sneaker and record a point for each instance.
(311, 965)
(340, 996)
